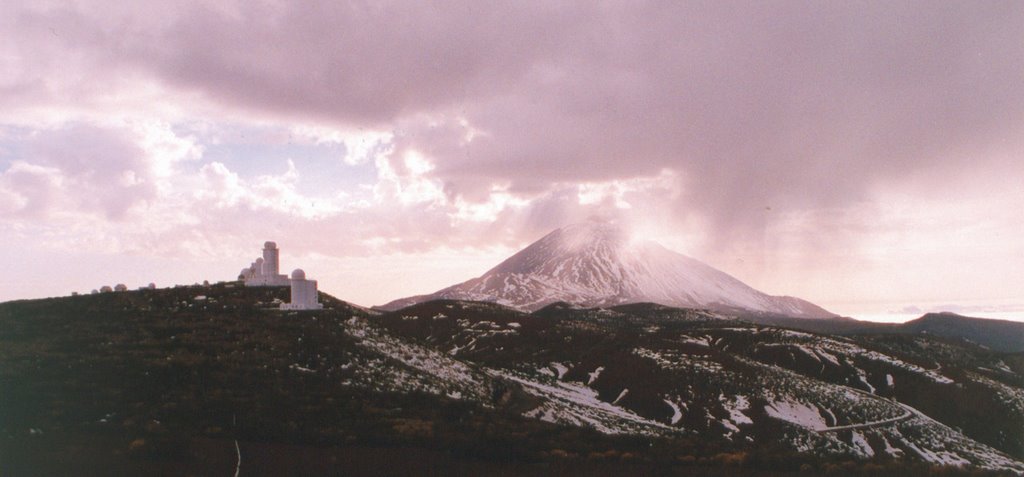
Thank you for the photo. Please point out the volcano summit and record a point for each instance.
(596, 264)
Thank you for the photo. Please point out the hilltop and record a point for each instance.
(170, 381)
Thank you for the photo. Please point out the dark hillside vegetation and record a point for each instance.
(164, 382)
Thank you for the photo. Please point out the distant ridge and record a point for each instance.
(596, 264)
(999, 335)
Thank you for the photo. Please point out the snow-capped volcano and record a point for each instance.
(596, 264)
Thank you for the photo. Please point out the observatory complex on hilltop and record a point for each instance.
(265, 272)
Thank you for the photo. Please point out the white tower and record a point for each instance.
(271, 265)
(304, 295)
(265, 271)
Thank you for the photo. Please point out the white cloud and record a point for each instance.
(616, 192)
(499, 200)
(28, 189)
(163, 148)
(361, 146)
(409, 183)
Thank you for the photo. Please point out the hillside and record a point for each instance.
(1001, 335)
(171, 381)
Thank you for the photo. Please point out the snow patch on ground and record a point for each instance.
(677, 414)
(701, 341)
(861, 445)
(854, 350)
(560, 368)
(808, 351)
(937, 457)
(831, 414)
(827, 356)
(621, 395)
(1003, 367)
(428, 370)
(890, 450)
(670, 360)
(573, 404)
(791, 333)
(793, 412)
(939, 444)
(735, 406)
(863, 376)
(830, 349)
(730, 427)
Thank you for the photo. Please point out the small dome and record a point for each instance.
(259, 260)
(269, 245)
(298, 274)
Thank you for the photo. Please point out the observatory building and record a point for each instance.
(304, 295)
(265, 271)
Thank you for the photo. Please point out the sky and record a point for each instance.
(865, 156)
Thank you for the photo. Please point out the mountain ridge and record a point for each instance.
(597, 264)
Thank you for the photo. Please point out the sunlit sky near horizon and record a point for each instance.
(867, 157)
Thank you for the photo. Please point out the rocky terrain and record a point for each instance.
(214, 380)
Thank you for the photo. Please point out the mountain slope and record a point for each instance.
(596, 264)
(204, 380)
(201, 380)
(656, 371)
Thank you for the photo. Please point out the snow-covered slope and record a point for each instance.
(597, 264)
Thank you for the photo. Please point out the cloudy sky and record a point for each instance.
(866, 156)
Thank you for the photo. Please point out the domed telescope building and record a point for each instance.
(304, 295)
(265, 272)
